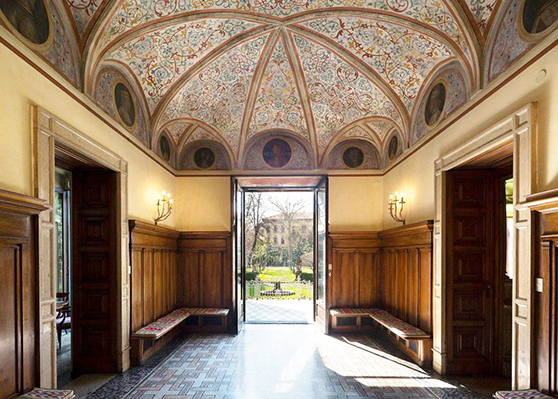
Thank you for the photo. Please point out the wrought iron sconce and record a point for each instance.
(396, 203)
(164, 207)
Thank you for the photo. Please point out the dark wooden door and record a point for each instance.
(471, 270)
(94, 271)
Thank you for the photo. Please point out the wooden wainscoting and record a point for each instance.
(545, 303)
(406, 274)
(154, 280)
(18, 282)
(205, 277)
(353, 282)
(154, 272)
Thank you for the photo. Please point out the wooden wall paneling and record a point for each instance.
(154, 272)
(205, 270)
(19, 318)
(545, 301)
(355, 276)
(406, 273)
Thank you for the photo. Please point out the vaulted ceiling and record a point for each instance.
(320, 72)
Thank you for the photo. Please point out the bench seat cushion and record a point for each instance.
(350, 312)
(397, 326)
(160, 327)
(48, 393)
(525, 394)
(203, 311)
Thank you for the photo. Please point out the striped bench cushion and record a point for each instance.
(203, 311)
(525, 394)
(48, 393)
(350, 312)
(397, 326)
(160, 327)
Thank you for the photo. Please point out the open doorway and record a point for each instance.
(279, 240)
(479, 215)
(86, 226)
(279, 256)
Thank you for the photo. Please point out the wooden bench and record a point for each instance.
(146, 340)
(412, 340)
(524, 394)
(351, 319)
(206, 319)
(48, 394)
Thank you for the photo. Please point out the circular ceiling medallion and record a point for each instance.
(393, 148)
(30, 18)
(539, 15)
(124, 104)
(435, 104)
(277, 153)
(353, 157)
(164, 147)
(204, 158)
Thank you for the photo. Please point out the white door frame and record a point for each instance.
(521, 128)
(48, 130)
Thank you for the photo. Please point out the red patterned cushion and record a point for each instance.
(160, 327)
(203, 311)
(48, 393)
(350, 312)
(525, 394)
(397, 326)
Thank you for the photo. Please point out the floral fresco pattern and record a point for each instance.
(508, 46)
(482, 11)
(402, 57)
(62, 54)
(358, 132)
(456, 96)
(217, 94)
(339, 94)
(381, 127)
(200, 133)
(159, 58)
(177, 129)
(132, 13)
(104, 98)
(83, 12)
(278, 105)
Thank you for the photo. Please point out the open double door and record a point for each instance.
(319, 187)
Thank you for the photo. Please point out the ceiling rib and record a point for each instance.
(254, 91)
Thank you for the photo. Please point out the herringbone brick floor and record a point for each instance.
(289, 361)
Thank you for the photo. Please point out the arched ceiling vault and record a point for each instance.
(323, 71)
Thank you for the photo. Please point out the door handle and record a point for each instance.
(488, 289)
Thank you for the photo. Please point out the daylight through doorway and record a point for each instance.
(279, 256)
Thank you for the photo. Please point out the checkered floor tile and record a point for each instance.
(264, 311)
(289, 361)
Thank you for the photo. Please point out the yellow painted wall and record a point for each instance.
(203, 204)
(21, 86)
(415, 175)
(355, 203)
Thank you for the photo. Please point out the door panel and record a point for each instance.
(471, 268)
(238, 245)
(94, 272)
(320, 254)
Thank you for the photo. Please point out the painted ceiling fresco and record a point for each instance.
(318, 73)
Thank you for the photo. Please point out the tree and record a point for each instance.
(254, 209)
(288, 211)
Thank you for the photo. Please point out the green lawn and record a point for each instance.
(281, 274)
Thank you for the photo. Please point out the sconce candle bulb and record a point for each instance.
(164, 207)
(396, 203)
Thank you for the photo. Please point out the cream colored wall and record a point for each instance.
(415, 175)
(355, 203)
(21, 86)
(203, 203)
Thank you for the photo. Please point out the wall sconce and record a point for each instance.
(396, 203)
(164, 207)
